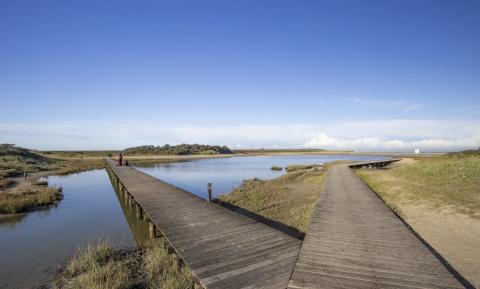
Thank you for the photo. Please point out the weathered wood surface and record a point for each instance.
(224, 249)
(355, 241)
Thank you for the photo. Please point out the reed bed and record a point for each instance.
(101, 266)
(21, 201)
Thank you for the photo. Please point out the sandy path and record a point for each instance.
(455, 236)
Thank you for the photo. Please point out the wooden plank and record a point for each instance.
(356, 241)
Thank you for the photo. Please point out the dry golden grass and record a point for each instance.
(289, 199)
(103, 267)
(16, 202)
(449, 182)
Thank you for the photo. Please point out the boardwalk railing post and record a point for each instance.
(139, 212)
(152, 230)
(209, 188)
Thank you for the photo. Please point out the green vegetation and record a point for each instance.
(102, 266)
(292, 168)
(183, 149)
(79, 154)
(17, 202)
(276, 168)
(263, 151)
(289, 199)
(41, 182)
(15, 160)
(449, 182)
(18, 196)
(75, 166)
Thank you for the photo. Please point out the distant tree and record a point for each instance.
(182, 149)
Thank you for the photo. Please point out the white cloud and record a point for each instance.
(377, 144)
(378, 135)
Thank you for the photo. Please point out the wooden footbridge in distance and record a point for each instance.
(354, 240)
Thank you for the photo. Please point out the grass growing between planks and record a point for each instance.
(21, 201)
(446, 182)
(289, 199)
(101, 266)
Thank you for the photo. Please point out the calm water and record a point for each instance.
(32, 245)
(227, 173)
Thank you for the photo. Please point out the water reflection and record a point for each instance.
(33, 244)
(138, 226)
(11, 222)
(15, 220)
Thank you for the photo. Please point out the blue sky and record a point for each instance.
(361, 75)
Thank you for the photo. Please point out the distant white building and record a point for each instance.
(416, 151)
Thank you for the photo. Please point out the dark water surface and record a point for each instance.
(33, 244)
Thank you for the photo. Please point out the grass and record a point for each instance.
(16, 160)
(289, 199)
(292, 168)
(276, 168)
(444, 182)
(40, 182)
(5, 183)
(17, 202)
(76, 166)
(102, 266)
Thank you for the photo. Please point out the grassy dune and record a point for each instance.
(449, 182)
(289, 199)
(101, 266)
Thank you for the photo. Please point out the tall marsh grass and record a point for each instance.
(16, 202)
(101, 267)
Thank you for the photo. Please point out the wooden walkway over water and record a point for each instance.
(356, 241)
(223, 249)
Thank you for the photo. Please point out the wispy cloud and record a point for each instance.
(400, 104)
(378, 135)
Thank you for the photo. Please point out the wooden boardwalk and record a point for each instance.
(223, 249)
(355, 241)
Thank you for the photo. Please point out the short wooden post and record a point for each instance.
(209, 188)
(24, 175)
(139, 212)
(152, 230)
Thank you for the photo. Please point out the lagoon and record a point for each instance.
(33, 245)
